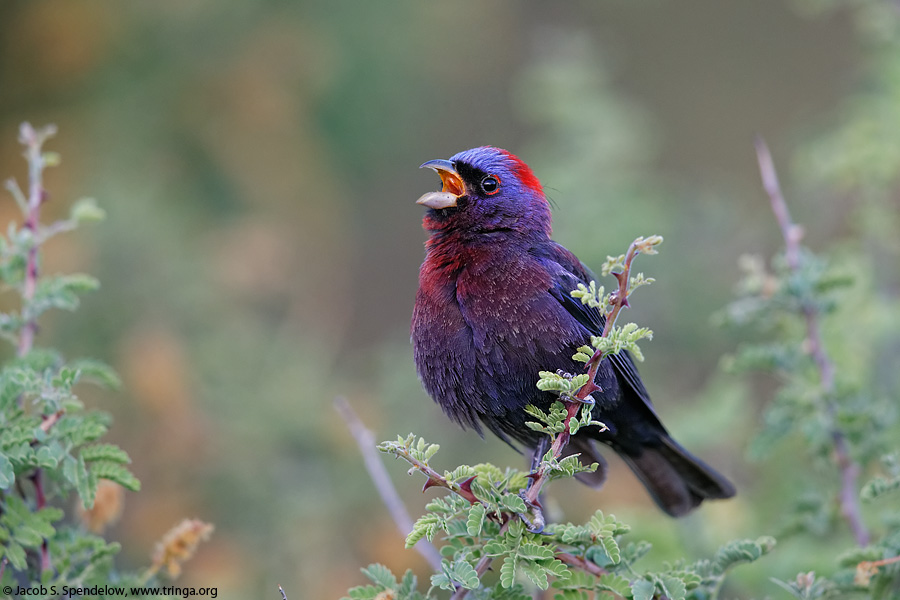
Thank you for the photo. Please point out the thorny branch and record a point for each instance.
(618, 300)
(33, 140)
(792, 234)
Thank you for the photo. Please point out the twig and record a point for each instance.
(33, 140)
(618, 300)
(382, 480)
(581, 563)
(51, 420)
(283, 595)
(792, 234)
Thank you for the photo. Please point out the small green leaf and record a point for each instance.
(673, 587)
(508, 571)
(513, 503)
(77, 474)
(107, 452)
(616, 584)
(7, 473)
(612, 549)
(464, 574)
(442, 581)
(739, 551)
(16, 555)
(380, 575)
(642, 589)
(878, 487)
(86, 210)
(536, 573)
(475, 519)
(117, 473)
(534, 551)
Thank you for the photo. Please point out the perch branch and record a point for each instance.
(618, 300)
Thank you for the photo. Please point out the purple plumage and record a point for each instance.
(493, 308)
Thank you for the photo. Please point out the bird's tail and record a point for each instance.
(677, 480)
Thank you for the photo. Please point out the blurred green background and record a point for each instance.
(258, 162)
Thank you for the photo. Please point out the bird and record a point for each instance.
(493, 308)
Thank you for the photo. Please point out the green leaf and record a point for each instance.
(60, 291)
(475, 519)
(464, 574)
(98, 372)
(642, 589)
(508, 571)
(557, 568)
(77, 474)
(616, 584)
(878, 487)
(425, 526)
(495, 548)
(739, 551)
(48, 457)
(612, 549)
(106, 452)
(534, 551)
(86, 210)
(380, 575)
(536, 573)
(514, 503)
(673, 587)
(16, 555)
(407, 585)
(363, 592)
(7, 474)
(442, 581)
(117, 473)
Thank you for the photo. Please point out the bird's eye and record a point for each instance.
(490, 184)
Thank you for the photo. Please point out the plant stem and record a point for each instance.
(792, 233)
(581, 563)
(618, 300)
(33, 140)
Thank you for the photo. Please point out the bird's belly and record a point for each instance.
(485, 369)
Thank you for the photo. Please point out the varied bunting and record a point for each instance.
(494, 307)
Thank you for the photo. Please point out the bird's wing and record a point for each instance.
(574, 272)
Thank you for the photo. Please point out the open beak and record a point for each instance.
(452, 190)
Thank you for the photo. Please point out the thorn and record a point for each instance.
(591, 387)
(466, 485)
(429, 483)
(532, 476)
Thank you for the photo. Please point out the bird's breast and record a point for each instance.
(482, 329)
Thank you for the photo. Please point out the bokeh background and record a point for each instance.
(258, 163)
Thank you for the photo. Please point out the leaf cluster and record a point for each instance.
(51, 447)
(572, 559)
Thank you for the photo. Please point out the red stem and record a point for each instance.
(33, 141)
(619, 300)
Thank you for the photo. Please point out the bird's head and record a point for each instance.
(486, 189)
